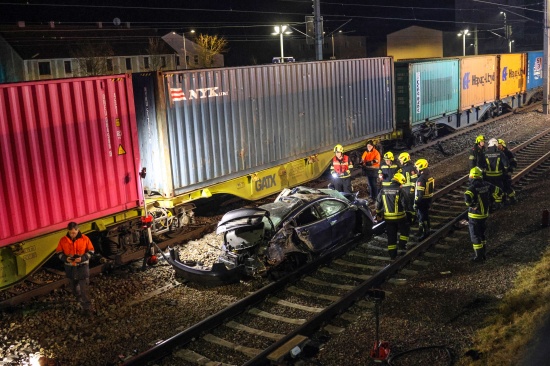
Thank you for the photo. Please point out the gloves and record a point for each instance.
(368, 163)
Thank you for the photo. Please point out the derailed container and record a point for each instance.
(229, 122)
(69, 153)
(479, 80)
(425, 90)
(534, 70)
(512, 74)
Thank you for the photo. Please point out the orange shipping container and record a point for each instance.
(512, 72)
(479, 80)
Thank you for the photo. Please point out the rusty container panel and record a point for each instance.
(227, 122)
(479, 80)
(69, 153)
(512, 74)
(534, 69)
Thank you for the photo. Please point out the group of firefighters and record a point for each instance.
(406, 190)
(405, 194)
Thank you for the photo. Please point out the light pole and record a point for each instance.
(463, 33)
(510, 45)
(185, 48)
(332, 36)
(280, 30)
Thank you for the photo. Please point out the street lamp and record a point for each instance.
(510, 45)
(332, 36)
(185, 48)
(280, 30)
(463, 33)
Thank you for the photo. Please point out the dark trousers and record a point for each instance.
(507, 186)
(392, 228)
(423, 211)
(342, 184)
(80, 291)
(372, 182)
(477, 232)
(497, 187)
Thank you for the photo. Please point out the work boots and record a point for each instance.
(479, 255)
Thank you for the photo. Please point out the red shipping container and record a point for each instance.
(69, 152)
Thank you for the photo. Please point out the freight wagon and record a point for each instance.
(455, 92)
(75, 147)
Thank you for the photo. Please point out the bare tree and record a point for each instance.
(155, 49)
(210, 46)
(92, 58)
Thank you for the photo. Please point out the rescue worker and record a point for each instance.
(388, 170)
(408, 169)
(390, 206)
(370, 162)
(477, 154)
(509, 192)
(340, 170)
(75, 250)
(496, 165)
(478, 200)
(423, 193)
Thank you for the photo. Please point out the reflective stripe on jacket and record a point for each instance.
(387, 172)
(496, 161)
(391, 202)
(409, 171)
(425, 186)
(478, 198)
(81, 246)
(341, 167)
(373, 157)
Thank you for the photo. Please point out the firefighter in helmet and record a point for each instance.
(391, 206)
(477, 154)
(388, 169)
(408, 169)
(423, 193)
(340, 170)
(509, 193)
(478, 200)
(496, 165)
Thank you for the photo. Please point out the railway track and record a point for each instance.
(47, 279)
(281, 318)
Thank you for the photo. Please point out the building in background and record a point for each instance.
(415, 42)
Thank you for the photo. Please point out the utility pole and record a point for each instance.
(545, 59)
(318, 30)
(475, 40)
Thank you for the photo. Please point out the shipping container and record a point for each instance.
(217, 124)
(534, 70)
(479, 80)
(69, 153)
(425, 90)
(512, 74)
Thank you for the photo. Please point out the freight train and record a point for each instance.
(102, 151)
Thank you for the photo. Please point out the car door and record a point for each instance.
(340, 218)
(312, 228)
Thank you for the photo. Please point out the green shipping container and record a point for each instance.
(425, 90)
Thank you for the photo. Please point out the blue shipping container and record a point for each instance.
(534, 69)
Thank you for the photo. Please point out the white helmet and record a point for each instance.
(493, 142)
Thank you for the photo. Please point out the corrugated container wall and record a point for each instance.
(512, 74)
(479, 80)
(425, 90)
(228, 122)
(534, 69)
(69, 153)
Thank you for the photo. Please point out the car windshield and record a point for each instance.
(279, 210)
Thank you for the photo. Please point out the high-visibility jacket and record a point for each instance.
(512, 161)
(81, 246)
(477, 157)
(386, 173)
(425, 186)
(341, 166)
(496, 162)
(391, 202)
(371, 159)
(478, 199)
(409, 171)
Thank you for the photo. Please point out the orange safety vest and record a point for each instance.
(341, 166)
(373, 156)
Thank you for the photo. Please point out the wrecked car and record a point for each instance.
(278, 237)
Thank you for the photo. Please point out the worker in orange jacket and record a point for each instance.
(370, 163)
(75, 250)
